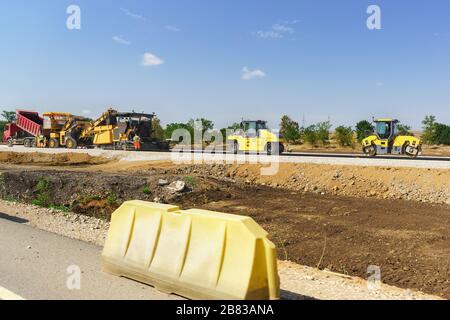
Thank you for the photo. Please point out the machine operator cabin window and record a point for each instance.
(250, 129)
(262, 126)
(384, 130)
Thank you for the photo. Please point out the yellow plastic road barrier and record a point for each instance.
(195, 253)
(5, 294)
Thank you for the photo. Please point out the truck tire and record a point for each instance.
(27, 143)
(71, 143)
(10, 142)
(53, 143)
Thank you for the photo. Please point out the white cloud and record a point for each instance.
(150, 60)
(248, 74)
(282, 29)
(172, 28)
(86, 112)
(121, 40)
(132, 15)
(268, 34)
(277, 31)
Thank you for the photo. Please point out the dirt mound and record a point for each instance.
(419, 185)
(58, 159)
(414, 184)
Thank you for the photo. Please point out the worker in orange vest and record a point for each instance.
(41, 141)
(137, 143)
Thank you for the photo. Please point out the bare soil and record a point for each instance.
(409, 241)
(297, 282)
(59, 159)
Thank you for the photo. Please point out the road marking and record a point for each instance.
(5, 294)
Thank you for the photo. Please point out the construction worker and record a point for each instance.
(137, 143)
(41, 141)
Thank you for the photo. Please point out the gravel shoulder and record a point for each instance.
(297, 282)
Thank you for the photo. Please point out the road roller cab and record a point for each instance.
(386, 140)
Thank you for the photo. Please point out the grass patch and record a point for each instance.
(10, 198)
(43, 198)
(146, 190)
(190, 181)
(88, 198)
(112, 199)
(60, 208)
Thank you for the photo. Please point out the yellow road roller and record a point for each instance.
(387, 140)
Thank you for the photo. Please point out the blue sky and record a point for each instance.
(313, 58)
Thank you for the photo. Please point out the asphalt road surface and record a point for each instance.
(34, 265)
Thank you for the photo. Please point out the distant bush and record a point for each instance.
(345, 136)
(323, 132)
(442, 134)
(190, 126)
(310, 135)
(404, 130)
(435, 133)
(363, 129)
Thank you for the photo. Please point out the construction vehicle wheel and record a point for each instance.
(53, 143)
(71, 143)
(273, 149)
(10, 143)
(234, 147)
(27, 143)
(410, 151)
(371, 151)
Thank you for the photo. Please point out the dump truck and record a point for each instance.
(25, 130)
(386, 140)
(254, 136)
(116, 130)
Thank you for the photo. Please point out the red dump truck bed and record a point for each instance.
(29, 122)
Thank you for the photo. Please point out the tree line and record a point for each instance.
(434, 133)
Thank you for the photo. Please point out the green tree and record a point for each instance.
(404, 130)
(363, 129)
(345, 136)
(203, 126)
(157, 130)
(323, 132)
(171, 127)
(9, 116)
(429, 124)
(441, 134)
(2, 129)
(290, 129)
(310, 135)
(235, 126)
